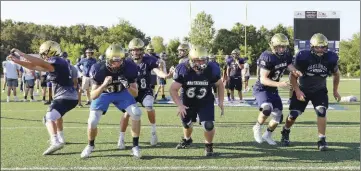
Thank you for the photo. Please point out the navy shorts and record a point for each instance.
(235, 83)
(43, 81)
(205, 113)
(318, 98)
(272, 97)
(142, 94)
(48, 83)
(62, 105)
(162, 81)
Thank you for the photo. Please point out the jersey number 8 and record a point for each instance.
(191, 93)
(143, 83)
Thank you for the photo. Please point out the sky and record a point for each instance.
(171, 19)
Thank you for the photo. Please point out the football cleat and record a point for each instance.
(267, 136)
(285, 140)
(87, 151)
(184, 143)
(121, 144)
(208, 150)
(322, 144)
(53, 147)
(257, 133)
(136, 152)
(154, 139)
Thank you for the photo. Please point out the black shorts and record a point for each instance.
(43, 81)
(142, 94)
(205, 113)
(246, 78)
(63, 105)
(235, 83)
(318, 98)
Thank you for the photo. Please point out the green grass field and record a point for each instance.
(24, 138)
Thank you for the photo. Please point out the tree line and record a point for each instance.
(76, 38)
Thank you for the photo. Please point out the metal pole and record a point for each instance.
(190, 15)
(245, 35)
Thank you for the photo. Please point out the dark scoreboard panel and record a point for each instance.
(304, 28)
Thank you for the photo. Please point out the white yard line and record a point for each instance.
(165, 127)
(189, 168)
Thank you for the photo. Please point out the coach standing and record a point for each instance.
(87, 63)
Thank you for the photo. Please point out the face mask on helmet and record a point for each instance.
(137, 54)
(182, 53)
(319, 50)
(199, 64)
(115, 64)
(280, 50)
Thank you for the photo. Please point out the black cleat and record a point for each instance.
(47, 103)
(183, 144)
(285, 140)
(87, 103)
(322, 144)
(208, 150)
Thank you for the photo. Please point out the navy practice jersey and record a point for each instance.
(235, 71)
(128, 73)
(197, 87)
(61, 79)
(315, 69)
(145, 68)
(275, 64)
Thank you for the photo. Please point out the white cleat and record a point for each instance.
(121, 144)
(87, 151)
(257, 133)
(267, 136)
(53, 148)
(7, 100)
(61, 139)
(33, 100)
(136, 152)
(154, 139)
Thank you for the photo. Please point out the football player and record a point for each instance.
(272, 64)
(197, 76)
(113, 81)
(235, 64)
(316, 65)
(153, 78)
(146, 64)
(183, 50)
(65, 95)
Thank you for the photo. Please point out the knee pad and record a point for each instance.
(148, 102)
(134, 112)
(187, 125)
(208, 125)
(294, 114)
(51, 115)
(267, 108)
(321, 111)
(277, 116)
(94, 117)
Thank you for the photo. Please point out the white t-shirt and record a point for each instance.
(164, 68)
(28, 74)
(11, 69)
(246, 66)
(4, 69)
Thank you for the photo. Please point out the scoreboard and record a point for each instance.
(307, 23)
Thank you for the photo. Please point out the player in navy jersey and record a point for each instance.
(113, 81)
(316, 65)
(212, 58)
(183, 50)
(65, 95)
(146, 64)
(197, 76)
(235, 64)
(272, 64)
